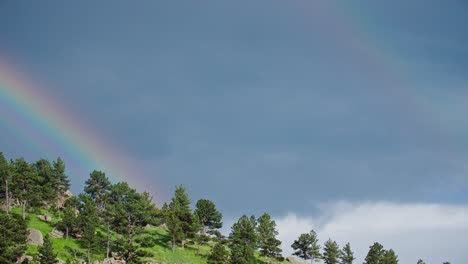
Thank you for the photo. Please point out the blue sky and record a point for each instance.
(278, 105)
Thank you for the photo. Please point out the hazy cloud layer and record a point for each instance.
(433, 232)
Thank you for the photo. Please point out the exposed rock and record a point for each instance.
(63, 198)
(111, 261)
(56, 233)
(296, 260)
(35, 237)
(23, 258)
(44, 218)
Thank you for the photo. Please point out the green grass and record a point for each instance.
(160, 252)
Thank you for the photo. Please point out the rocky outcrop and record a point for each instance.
(35, 237)
(63, 198)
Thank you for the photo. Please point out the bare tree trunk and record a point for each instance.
(23, 209)
(47, 212)
(89, 256)
(7, 196)
(183, 243)
(66, 232)
(173, 244)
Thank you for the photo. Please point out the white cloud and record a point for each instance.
(433, 232)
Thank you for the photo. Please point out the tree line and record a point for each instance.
(121, 213)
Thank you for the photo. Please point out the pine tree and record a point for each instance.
(179, 217)
(88, 221)
(127, 212)
(267, 232)
(208, 216)
(389, 257)
(46, 252)
(375, 254)
(5, 180)
(61, 182)
(13, 234)
(243, 241)
(420, 261)
(218, 255)
(25, 184)
(68, 220)
(331, 252)
(347, 256)
(46, 179)
(96, 186)
(307, 247)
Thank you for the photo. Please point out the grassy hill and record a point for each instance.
(160, 252)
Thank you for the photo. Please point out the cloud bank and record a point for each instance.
(433, 232)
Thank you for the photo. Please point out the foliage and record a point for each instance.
(375, 254)
(218, 255)
(179, 218)
(306, 246)
(88, 221)
(13, 235)
(96, 186)
(331, 252)
(46, 252)
(347, 256)
(208, 216)
(243, 240)
(268, 244)
(25, 184)
(390, 257)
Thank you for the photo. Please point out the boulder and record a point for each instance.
(56, 233)
(111, 261)
(44, 218)
(35, 237)
(23, 258)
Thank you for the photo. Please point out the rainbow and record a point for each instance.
(48, 127)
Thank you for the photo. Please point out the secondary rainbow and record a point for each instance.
(50, 128)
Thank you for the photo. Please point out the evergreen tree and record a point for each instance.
(179, 218)
(5, 179)
(331, 252)
(128, 212)
(46, 252)
(61, 182)
(174, 225)
(347, 256)
(218, 255)
(307, 247)
(25, 184)
(208, 216)
(243, 241)
(88, 222)
(13, 234)
(267, 232)
(389, 257)
(375, 254)
(46, 179)
(420, 261)
(68, 221)
(96, 186)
